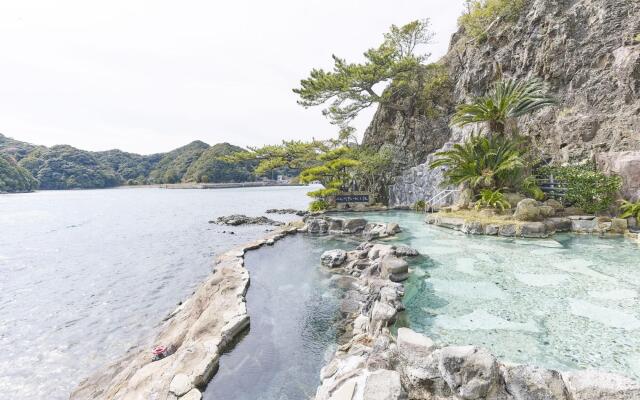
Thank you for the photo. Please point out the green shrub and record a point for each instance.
(630, 209)
(587, 188)
(492, 199)
(530, 187)
(318, 205)
(482, 13)
(419, 205)
(482, 162)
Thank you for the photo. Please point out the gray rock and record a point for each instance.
(238, 219)
(527, 210)
(618, 225)
(180, 384)
(413, 346)
(333, 258)
(392, 228)
(383, 385)
(473, 228)
(555, 204)
(513, 199)
(193, 394)
(625, 164)
(547, 211)
(534, 230)
(593, 385)
(584, 226)
(354, 225)
(391, 265)
(345, 391)
(422, 379)
(382, 315)
(470, 372)
(336, 225)
(560, 224)
(407, 251)
(526, 382)
(582, 217)
(508, 230)
(317, 226)
(491, 229)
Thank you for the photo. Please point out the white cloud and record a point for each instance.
(148, 76)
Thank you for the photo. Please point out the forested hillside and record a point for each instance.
(26, 167)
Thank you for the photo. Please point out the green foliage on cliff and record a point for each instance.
(293, 155)
(211, 167)
(587, 188)
(492, 199)
(506, 101)
(630, 209)
(481, 162)
(333, 172)
(482, 15)
(351, 87)
(14, 178)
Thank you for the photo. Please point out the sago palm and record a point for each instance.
(508, 99)
(481, 161)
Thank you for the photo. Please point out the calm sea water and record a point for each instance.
(85, 275)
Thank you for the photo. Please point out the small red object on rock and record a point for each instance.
(160, 352)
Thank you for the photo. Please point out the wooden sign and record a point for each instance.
(352, 198)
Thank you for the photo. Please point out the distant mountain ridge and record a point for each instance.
(25, 166)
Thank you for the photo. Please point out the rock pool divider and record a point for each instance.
(202, 327)
(373, 365)
(587, 224)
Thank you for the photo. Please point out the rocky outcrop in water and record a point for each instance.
(325, 225)
(238, 219)
(299, 213)
(588, 53)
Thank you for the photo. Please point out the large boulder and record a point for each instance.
(594, 385)
(527, 210)
(547, 211)
(555, 204)
(336, 225)
(317, 226)
(626, 164)
(393, 268)
(464, 199)
(471, 373)
(354, 225)
(412, 346)
(333, 258)
(383, 385)
(526, 382)
(513, 198)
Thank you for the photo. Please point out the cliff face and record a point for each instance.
(588, 52)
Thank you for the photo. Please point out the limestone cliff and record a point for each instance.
(588, 51)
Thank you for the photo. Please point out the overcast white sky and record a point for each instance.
(149, 76)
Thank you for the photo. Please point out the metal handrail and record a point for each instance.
(443, 194)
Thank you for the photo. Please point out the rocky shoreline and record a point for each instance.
(201, 328)
(375, 365)
(370, 364)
